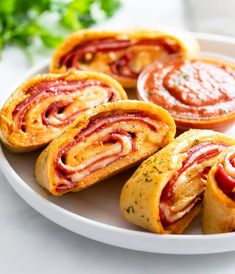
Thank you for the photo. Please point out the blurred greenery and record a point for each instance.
(24, 21)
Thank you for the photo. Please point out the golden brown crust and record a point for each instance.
(187, 44)
(140, 196)
(218, 208)
(45, 172)
(18, 141)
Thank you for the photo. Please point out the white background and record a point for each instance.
(29, 243)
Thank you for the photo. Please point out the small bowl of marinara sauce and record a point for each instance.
(198, 92)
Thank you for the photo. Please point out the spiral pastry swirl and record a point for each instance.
(219, 198)
(40, 109)
(166, 192)
(101, 142)
(121, 55)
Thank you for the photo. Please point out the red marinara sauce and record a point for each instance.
(198, 93)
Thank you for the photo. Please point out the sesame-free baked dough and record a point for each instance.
(101, 142)
(165, 193)
(219, 198)
(123, 55)
(42, 107)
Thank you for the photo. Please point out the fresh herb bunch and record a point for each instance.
(24, 21)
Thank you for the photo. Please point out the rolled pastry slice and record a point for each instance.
(165, 193)
(219, 198)
(101, 142)
(123, 55)
(40, 109)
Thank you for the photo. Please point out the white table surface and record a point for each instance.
(29, 243)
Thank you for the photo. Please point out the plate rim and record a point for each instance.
(215, 243)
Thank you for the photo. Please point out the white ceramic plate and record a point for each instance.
(94, 212)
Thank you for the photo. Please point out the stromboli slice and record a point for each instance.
(219, 198)
(123, 55)
(165, 192)
(41, 108)
(101, 142)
